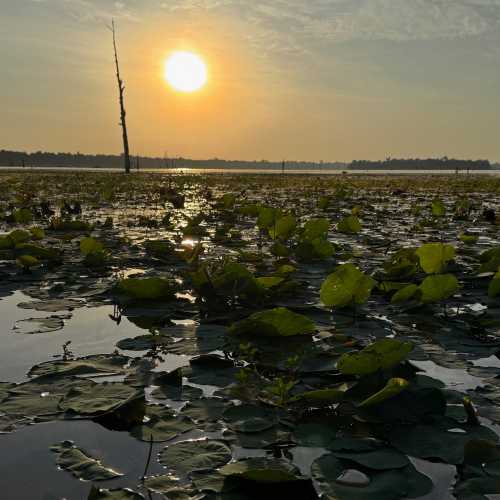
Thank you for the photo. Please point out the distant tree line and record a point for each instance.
(418, 164)
(43, 159)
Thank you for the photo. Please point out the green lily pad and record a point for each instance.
(279, 322)
(249, 418)
(434, 257)
(41, 396)
(34, 326)
(346, 286)
(381, 459)
(162, 425)
(283, 228)
(349, 225)
(100, 363)
(205, 409)
(438, 441)
(90, 245)
(185, 457)
(263, 470)
(99, 399)
(172, 488)
(405, 294)
(381, 355)
(146, 288)
(315, 435)
(80, 464)
(333, 483)
(438, 287)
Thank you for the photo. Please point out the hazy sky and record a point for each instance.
(294, 79)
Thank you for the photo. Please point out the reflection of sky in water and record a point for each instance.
(90, 331)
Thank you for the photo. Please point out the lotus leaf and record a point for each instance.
(434, 257)
(81, 465)
(346, 286)
(279, 322)
(185, 457)
(381, 355)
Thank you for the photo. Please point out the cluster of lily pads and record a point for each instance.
(301, 310)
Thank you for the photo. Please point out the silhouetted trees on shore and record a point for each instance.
(418, 164)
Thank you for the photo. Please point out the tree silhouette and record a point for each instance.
(123, 114)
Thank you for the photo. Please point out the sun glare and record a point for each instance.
(185, 71)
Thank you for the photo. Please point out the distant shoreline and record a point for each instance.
(255, 171)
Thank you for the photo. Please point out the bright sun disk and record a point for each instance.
(185, 71)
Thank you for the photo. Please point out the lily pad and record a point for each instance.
(434, 257)
(438, 287)
(99, 363)
(188, 456)
(80, 464)
(346, 286)
(146, 288)
(161, 425)
(205, 409)
(263, 470)
(381, 355)
(279, 322)
(99, 399)
(249, 418)
(330, 474)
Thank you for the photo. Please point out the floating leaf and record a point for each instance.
(185, 457)
(330, 474)
(263, 470)
(27, 261)
(346, 286)
(438, 208)
(279, 322)
(434, 257)
(315, 228)
(405, 294)
(349, 225)
(381, 355)
(80, 464)
(90, 245)
(101, 398)
(19, 236)
(23, 216)
(162, 425)
(37, 233)
(283, 228)
(270, 281)
(469, 239)
(146, 288)
(438, 287)
(249, 418)
(205, 409)
(99, 363)
(494, 287)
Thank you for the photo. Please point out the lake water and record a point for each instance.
(233, 171)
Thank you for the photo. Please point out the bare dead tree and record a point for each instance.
(123, 114)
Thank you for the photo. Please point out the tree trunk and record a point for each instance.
(123, 114)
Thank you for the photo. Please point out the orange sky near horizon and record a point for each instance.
(290, 83)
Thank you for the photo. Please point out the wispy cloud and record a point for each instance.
(347, 20)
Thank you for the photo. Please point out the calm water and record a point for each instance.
(318, 171)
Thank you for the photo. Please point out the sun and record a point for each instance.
(186, 71)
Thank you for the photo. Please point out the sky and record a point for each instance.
(332, 80)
